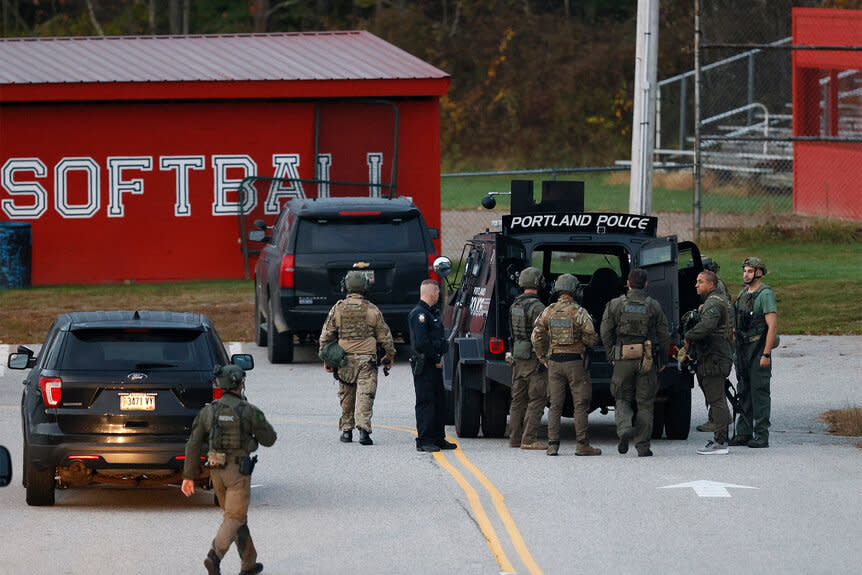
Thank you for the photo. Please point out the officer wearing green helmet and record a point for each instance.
(529, 377)
(357, 326)
(232, 428)
(560, 339)
(755, 314)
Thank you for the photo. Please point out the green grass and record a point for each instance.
(610, 192)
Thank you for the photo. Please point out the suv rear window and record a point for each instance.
(131, 349)
(366, 235)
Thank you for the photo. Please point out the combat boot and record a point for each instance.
(758, 442)
(623, 445)
(365, 438)
(553, 448)
(258, 568)
(587, 449)
(738, 440)
(346, 436)
(212, 563)
(537, 445)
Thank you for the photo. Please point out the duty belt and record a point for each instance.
(565, 356)
(751, 338)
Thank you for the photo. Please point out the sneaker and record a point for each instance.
(537, 445)
(587, 449)
(713, 448)
(738, 440)
(553, 448)
(708, 426)
(346, 436)
(758, 443)
(365, 438)
(623, 445)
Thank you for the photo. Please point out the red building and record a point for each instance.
(126, 154)
(827, 175)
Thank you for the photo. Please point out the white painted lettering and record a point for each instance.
(286, 168)
(61, 200)
(117, 185)
(182, 165)
(38, 193)
(222, 185)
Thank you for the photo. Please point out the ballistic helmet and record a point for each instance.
(530, 278)
(566, 283)
(755, 263)
(333, 355)
(711, 265)
(355, 282)
(229, 376)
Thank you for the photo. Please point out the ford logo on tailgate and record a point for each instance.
(136, 377)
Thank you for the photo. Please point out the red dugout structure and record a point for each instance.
(126, 154)
(829, 134)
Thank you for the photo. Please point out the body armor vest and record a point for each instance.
(226, 430)
(634, 322)
(354, 326)
(562, 327)
(747, 322)
(520, 318)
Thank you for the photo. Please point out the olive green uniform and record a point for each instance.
(560, 337)
(529, 377)
(232, 488)
(634, 319)
(750, 309)
(711, 338)
(358, 326)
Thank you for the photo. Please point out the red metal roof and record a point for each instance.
(315, 64)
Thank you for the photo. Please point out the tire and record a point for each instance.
(467, 407)
(259, 329)
(24, 465)
(450, 407)
(280, 348)
(40, 486)
(677, 412)
(495, 409)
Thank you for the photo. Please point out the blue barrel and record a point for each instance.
(16, 254)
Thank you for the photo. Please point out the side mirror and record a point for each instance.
(442, 266)
(244, 360)
(257, 236)
(5, 467)
(23, 359)
(260, 224)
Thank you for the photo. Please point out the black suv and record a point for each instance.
(112, 397)
(314, 243)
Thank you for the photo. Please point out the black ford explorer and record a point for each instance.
(112, 396)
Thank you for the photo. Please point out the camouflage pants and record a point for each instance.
(719, 412)
(564, 376)
(233, 490)
(632, 388)
(357, 399)
(529, 397)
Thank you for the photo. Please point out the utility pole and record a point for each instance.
(643, 122)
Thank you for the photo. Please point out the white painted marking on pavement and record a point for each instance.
(704, 488)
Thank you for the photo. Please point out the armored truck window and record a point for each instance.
(579, 263)
(368, 235)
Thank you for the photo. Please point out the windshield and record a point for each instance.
(366, 235)
(135, 349)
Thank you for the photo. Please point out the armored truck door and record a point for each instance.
(659, 258)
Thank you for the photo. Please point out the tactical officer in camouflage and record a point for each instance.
(634, 334)
(358, 327)
(756, 328)
(529, 377)
(560, 338)
(711, 336)
(232, 429)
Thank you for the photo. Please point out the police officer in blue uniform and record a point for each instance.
(426, 339)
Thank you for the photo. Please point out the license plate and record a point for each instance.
(137, 401)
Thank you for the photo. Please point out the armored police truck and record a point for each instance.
(557, 236)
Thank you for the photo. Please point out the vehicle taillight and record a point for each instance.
(495, 345)
(431, 273)
(287, 272)
(52, 390)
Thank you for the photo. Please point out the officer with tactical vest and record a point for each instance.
(560, 338)
(426, 362)
(232, 429)
(756, 327)
(357, 326)
(529, 377)
(634, 334)
(711, 336)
